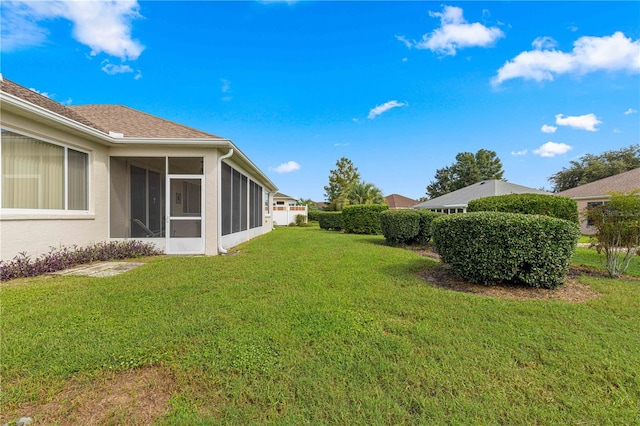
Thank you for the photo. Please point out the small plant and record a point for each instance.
(617, 226)
(301, 220)
(65, 257)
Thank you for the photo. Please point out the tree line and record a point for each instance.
(346, 186)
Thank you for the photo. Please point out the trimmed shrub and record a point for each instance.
(547, 205)
(400, 226)
(331, 221)
(363, 218)
(313, 214)
(425, 231)
(61, 258)
(493, 247)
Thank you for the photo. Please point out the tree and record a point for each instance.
(617, 225)
(361, 192)
(311, 205)
(468, 169)
(591, 167)
(340, 179)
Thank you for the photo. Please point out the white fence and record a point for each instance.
(284, 215)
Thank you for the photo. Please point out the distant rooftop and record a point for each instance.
(487, 188)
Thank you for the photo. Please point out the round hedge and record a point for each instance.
(362, 218)
(493, 247)
(543, 204)
(400, 226)
(331, 221)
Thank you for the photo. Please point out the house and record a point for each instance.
(286, 208)
(597, 192)
(396, 201)
(457, 201)
(83, 174)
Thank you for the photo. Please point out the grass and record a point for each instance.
(306, 326)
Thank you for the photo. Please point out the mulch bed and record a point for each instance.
(571, 291)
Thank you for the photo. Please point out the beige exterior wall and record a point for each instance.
(582, 205)
(35, 231)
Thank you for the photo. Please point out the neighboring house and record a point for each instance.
(285, 209)
(457, 201)
(321, 205)
(396, 201)
(83, 174)
(597, 192)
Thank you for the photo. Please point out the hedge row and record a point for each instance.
(363, 218)
(313, 214)
(407, 226)
(547, 205)
(493, 247)
(331, 221)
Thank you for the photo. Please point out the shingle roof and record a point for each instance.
(137, 124)
(461, 197)
(281, 195)
(35, 98)
(624, 182)
(396, 201)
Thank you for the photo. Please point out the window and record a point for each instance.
(41, 175)
(242, 201)
(593, 204)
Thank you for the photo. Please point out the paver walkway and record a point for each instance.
(101, 269)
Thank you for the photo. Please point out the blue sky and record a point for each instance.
(397, 87)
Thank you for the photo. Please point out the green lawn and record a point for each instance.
(306, 326)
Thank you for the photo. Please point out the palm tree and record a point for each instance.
(361, 192)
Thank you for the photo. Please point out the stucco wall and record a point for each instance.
(35, 231)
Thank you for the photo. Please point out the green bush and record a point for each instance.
(313, 214)
(400, 226)
(493, 247)
(301, 220)
(547, 205)
(331, 221)
(363, 218)
(426, 221)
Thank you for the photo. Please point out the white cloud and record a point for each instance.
(551, 149)
(617, 131)
(548, 129)
(584, 122)
(226, 89)
(69, 101)
(519, 153)
(113, 69)
(341, 144)
(544, 43)
(45, 94)
(630, 111)
(288, 167)
(374, 112)
(104, 26)
(138, 75)
(589, 54)
(454, 33)
(226, 85)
